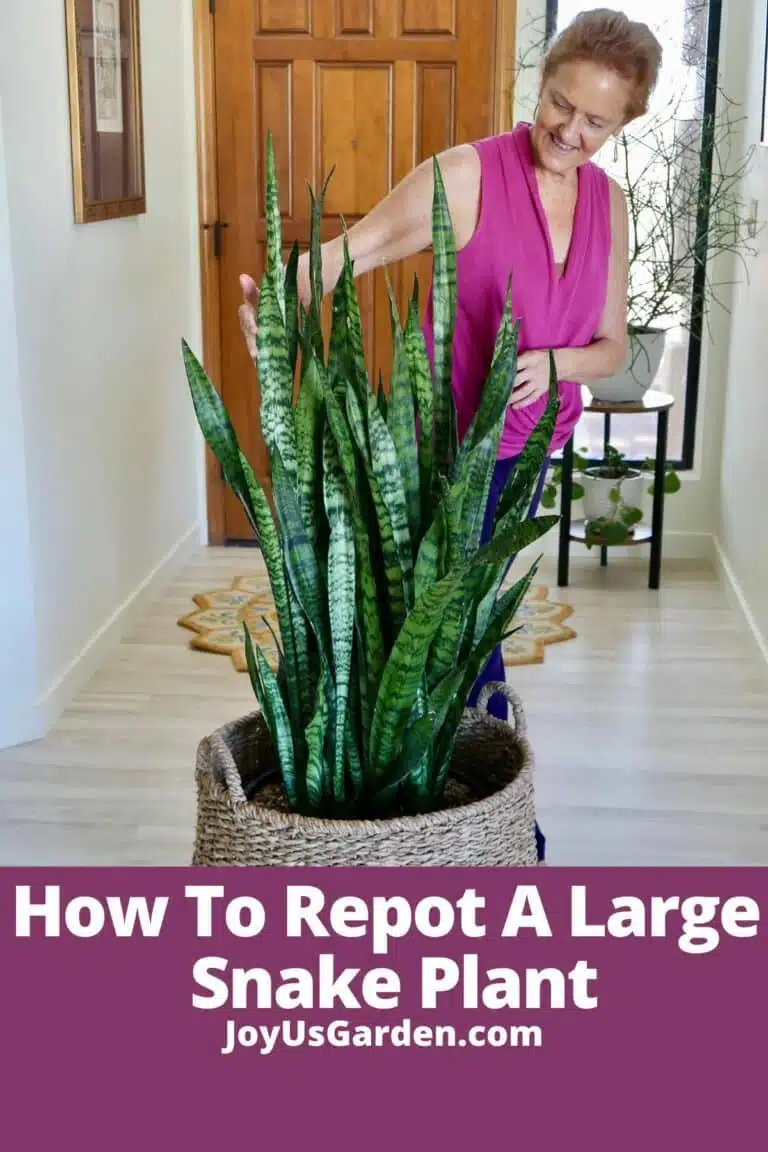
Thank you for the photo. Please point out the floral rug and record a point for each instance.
(217, 622)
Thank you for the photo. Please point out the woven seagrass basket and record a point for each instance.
(487, 820)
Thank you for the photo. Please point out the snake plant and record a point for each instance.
(388, 606)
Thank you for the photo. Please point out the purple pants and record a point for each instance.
(494, 669)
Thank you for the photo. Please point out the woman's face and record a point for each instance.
(581, 105)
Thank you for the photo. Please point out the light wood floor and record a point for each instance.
(650, 731)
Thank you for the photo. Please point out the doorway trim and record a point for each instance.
(502, 81)
(208, 200)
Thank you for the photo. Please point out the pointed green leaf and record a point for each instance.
(301, 559)
(479, 469)
(381, 399)
(516, 497)
(274, 270)
(216, 427)
(317, 770)
(494, 398)
(304, 646)
(393, 570)
(404, 671)
(431, 562)
(309, 447)
(401, 422)
(504, 613)
(292, 306)
(341, 594)
(421, 383)
(384, 463)
(506, 543)
(273, 559)
(354, 326)
(444, 311)
(368, 597)
(275, 715)
(275, 379)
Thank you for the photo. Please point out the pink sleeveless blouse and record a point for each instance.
(555, 311)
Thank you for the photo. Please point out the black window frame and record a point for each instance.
(695, 336)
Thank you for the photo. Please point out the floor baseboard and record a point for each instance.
(60, 694)
(723, 564)
(20, 726)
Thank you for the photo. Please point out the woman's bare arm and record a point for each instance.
(397, 227)
(400, 225)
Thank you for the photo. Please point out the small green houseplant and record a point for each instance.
(388, 607)
(613, 492)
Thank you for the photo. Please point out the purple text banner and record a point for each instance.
(471, 1009)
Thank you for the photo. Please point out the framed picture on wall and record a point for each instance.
(764, 125)
(103, 55)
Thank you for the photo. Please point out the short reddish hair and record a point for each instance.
(610, 38)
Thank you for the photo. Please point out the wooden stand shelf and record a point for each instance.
(660, 403)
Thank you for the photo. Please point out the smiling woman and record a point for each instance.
(666, 155)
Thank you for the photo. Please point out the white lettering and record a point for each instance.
(204, 895)
(49, 910)
(505, 987)
(202, 974)
(438, 974)
(303, 903)
(579, 925)
(526, 911)
(737, 909)
(85, 917)
(137, 908)
(245, 916)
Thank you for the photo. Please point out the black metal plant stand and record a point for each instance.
(660, 403)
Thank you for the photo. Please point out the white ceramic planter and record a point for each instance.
(597, 493)
(640, 368)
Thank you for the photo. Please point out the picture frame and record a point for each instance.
(106, 117)
(764, 119)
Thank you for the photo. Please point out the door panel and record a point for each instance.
(368, 87)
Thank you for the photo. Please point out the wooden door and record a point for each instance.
(371, 87)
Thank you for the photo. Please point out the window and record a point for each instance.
(664, 150)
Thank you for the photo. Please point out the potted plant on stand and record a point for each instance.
(361, 750)
(613, 493)
(683, 217)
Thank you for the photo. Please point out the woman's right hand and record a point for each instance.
(247, 312)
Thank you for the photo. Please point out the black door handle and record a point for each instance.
(217, 226)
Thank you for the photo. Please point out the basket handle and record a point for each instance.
(234, 783)
(502, 689)
(226, 767)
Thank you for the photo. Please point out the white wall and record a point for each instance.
(17, 621)
(112, 456)
(741, 530)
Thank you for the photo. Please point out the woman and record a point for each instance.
(530, 201)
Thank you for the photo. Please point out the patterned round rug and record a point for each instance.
(217, 622)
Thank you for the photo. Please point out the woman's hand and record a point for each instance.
(532, 380)
(247, 312)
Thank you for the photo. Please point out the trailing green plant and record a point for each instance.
(617, 528)
(388, 606)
